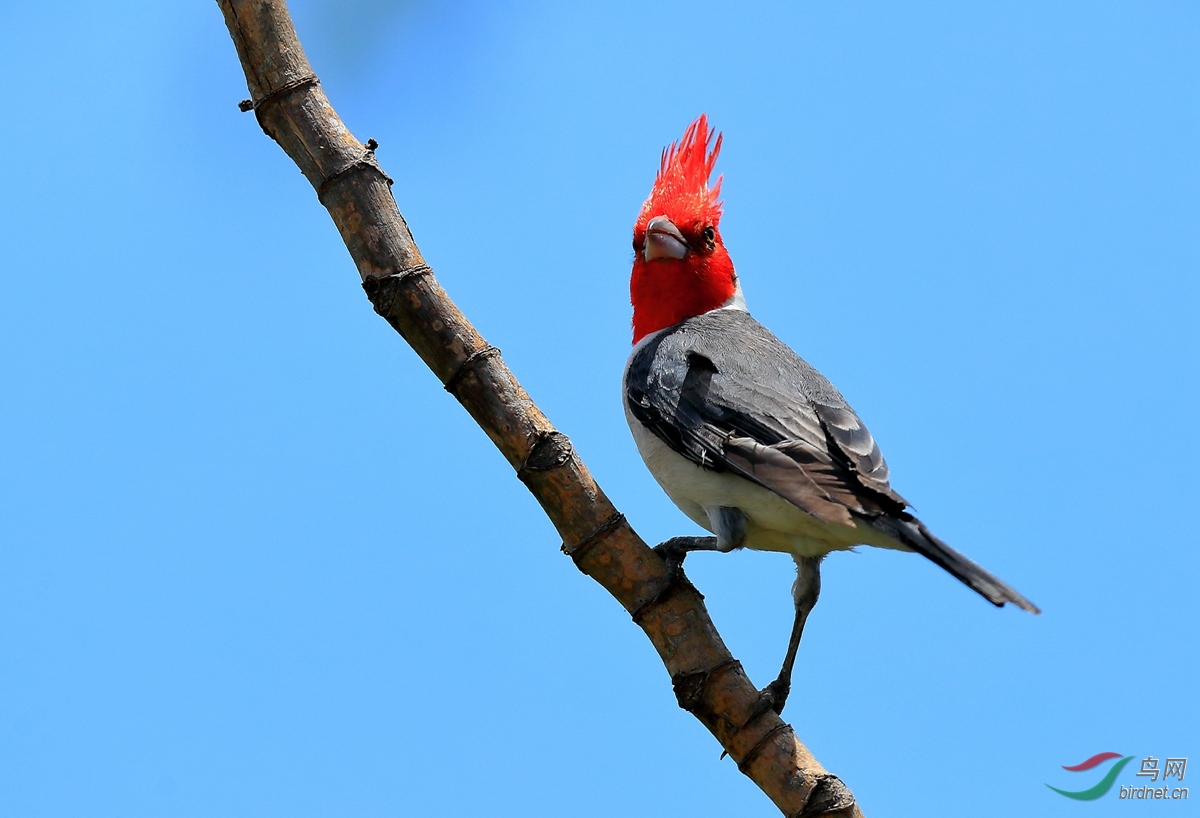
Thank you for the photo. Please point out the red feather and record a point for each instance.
(681, 187)
(666, 291)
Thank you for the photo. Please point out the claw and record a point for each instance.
(673, 556)
(669, 555)
(673, 551)
(772, 697)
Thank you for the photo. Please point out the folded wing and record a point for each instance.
(762, 412)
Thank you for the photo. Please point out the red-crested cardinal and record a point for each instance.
(750, 442)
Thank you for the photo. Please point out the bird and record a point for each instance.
(745, 437)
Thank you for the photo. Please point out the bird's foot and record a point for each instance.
(773, 697)
(673, 553)
(676, 549)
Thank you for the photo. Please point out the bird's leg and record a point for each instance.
(674, 550)
(729, 524)
(805, 593)
(730, 527)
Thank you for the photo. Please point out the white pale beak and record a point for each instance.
(663, 240)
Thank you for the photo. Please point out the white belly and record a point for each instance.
(774, 524)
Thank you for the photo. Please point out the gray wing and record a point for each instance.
(724, 392)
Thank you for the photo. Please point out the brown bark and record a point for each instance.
(293, 110)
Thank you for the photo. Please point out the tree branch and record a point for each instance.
(292, 109)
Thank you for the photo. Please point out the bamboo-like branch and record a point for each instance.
(292, 109)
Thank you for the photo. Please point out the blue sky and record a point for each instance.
(254, 561)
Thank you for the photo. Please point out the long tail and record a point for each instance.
(916, 536)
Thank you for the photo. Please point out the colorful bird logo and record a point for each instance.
(1104, 785)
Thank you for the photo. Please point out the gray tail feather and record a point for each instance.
(916, 536)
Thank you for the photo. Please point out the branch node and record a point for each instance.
(364, 162)
(829, 795)
(549, 451)
(247, 105)
(577, 552)
(760, 745)
(689, 687)
(381, 290)
(467, 365)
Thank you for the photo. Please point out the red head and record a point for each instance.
(681, 268)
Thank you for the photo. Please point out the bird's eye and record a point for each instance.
(709, 234)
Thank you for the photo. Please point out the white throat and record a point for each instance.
(737, 301)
